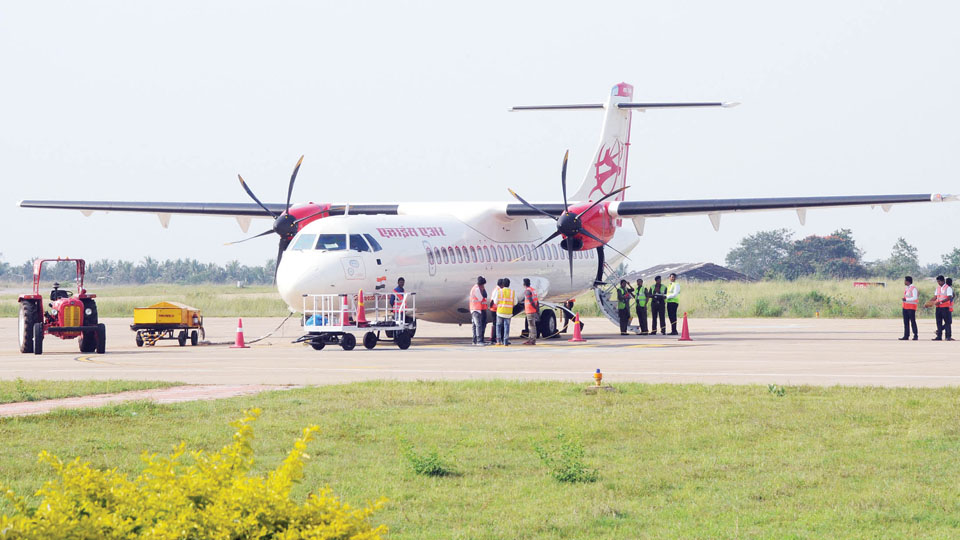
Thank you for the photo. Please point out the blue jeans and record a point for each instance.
(479, 319)
(503, 330)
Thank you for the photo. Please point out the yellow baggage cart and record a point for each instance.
(167, 320)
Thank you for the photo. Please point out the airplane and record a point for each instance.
(441, 247)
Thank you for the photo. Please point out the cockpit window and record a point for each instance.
(357, 243)
(332, 242)
(373, 242)
(304, 242)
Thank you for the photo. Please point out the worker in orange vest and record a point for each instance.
(478, 310)
(531, 307)
(943, 300)
(911, 298)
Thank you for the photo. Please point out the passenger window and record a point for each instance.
(357, 243)
(446, 258)
(473, 254)
(486, 253)
(513, 248)
(556, 255)
(527, 248)
(304, 242)
(499, 253)
(373, 242)
(332, 242)
(459, 254)
(436, 255)
(546, 253)
(430, 259)
(536, 256)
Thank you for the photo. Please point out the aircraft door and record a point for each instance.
(431, 259)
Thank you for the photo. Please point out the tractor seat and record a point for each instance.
(57, 293)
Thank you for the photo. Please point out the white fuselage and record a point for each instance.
(439, 249)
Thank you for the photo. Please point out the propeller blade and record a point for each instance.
(293, 178)
(563, 179)
(254, 197)
(588, 233)
(600, 200)
(549, 238)
(570, 259)
(528, 205)
(283, 247)
(297, 222)
(264, 233)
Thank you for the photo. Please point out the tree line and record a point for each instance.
(149, 270)
(776, 254)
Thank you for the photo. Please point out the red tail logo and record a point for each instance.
(607, 166)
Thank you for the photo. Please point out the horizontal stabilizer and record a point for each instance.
(626, 105)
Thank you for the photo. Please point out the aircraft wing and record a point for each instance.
(639, 210)
(198, 208)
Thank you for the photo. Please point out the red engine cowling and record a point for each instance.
(311, 211)
(597, 221)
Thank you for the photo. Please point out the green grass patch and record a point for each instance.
(35, 390)
(671, 461)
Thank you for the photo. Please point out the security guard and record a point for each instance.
(658, 296)
(943, 300)
(642, 296)
(623, 306)
(478, 310)
(506, 299)
(531, 307)
(673, 302)
(911, 297)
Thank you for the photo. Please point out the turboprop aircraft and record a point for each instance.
(441, 247)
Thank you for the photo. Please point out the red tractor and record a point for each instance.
(69, 316)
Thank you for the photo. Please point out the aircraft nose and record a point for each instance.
(298, 276)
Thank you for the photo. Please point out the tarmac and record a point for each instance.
(726, 351)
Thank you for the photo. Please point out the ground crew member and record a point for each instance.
(673, 302)
(623, 306)
(531, 307)
(658, 297)
(493, 312)
(911, 298)
(396, 299)
(642, 296)
(478, 310)
(567, 317)
(949, 282)
(943, 300)
(505, 299)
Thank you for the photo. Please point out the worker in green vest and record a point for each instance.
(623, 305)
(642, 296)
(673, 302)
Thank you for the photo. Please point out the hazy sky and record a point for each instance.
(405, 101)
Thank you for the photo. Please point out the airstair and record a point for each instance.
(606, 296)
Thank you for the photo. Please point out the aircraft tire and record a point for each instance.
(547, 327)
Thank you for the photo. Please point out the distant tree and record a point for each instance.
(762, 254)
(949, 264)
(904, 261)
(833, 256)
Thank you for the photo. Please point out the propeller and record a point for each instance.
(569, 225)
(284, 225)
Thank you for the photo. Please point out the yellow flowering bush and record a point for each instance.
(212, 497)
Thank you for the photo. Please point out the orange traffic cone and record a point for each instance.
(577, 338)
(361, 313)
(685, 331)
(239, 344)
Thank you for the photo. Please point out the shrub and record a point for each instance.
(427, 464)
(776, 390)
(565, 460)
(214, 497)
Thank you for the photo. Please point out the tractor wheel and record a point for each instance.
(37, 338)
(318, 344)
(402, 339)
(194, 338)
(370, 340)
(348, 342)
(139, 339)
(548, 324)
(88, 339)
(28, 316)
(101, 338)
(182, 338)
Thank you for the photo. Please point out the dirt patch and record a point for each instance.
(174, 394)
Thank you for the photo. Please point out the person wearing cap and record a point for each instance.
(658, 297)
(911, 298)
(673, 303)
(478, 310)
(943, 300)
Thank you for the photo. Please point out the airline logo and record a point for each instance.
(623, 90)
(407, 232)
(606, 170)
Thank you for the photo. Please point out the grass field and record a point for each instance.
(27, 390)
(796, 299)
(673, 461)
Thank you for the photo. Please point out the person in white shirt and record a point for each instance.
(911, 298)
(943, 300)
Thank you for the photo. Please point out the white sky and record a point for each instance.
(403, 101)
